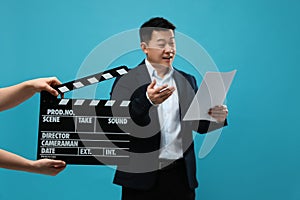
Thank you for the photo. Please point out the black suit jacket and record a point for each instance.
(141, 172)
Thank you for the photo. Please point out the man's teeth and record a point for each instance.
(168, 57)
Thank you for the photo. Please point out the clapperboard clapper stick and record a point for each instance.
(84, 131)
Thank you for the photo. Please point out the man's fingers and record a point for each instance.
(220, 117)
(219, 113)
(223, 107)
(152, 84)
(166, 92)
(167, 95)
(161, 89)
(219, 109)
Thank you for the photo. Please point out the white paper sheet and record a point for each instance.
(212, 92)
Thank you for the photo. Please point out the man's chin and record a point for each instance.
(167, 63)
(164, 65)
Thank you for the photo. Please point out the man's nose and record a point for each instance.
(169, 48)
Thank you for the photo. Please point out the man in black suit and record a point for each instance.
(162, 159)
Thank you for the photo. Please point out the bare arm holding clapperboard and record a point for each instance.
(16, 94)
(13, 96)
(43, 166)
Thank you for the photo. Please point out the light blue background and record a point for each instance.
(257, 156)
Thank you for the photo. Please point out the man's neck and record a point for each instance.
(160, 69)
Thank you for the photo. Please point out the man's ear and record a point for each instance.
(144, 47)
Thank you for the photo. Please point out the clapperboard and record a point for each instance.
(84, 131)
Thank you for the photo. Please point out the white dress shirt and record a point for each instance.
(169, 117)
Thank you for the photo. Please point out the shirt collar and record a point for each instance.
(152, 72)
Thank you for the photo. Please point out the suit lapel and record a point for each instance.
(143, 76)
(180, 87)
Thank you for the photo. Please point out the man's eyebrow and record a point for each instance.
(163, 40)
(160, 40)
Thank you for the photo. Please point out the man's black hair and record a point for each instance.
(154, 24)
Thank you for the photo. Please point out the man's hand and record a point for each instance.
(159, 94)
(219, 113)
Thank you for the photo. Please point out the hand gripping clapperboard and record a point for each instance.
(73, 129)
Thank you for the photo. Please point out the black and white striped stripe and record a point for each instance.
(92, 79)
(94, 102)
